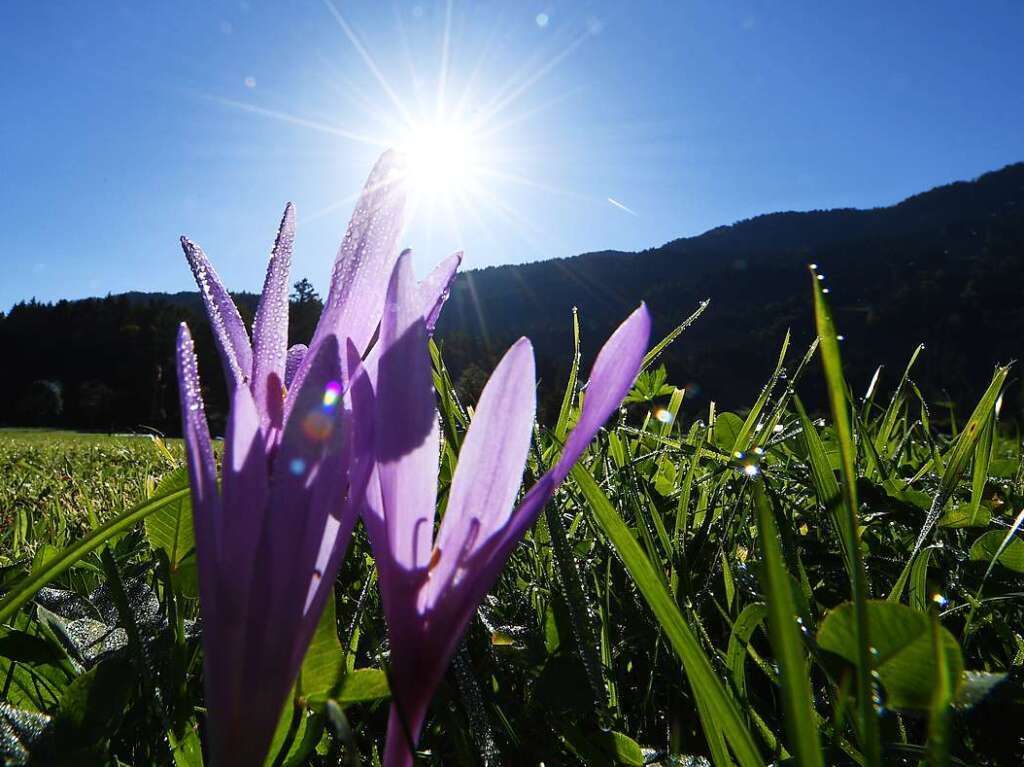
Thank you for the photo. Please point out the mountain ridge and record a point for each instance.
(941, 267)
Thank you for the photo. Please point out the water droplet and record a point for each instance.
(663, 415)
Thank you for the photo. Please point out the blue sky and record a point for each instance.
(127, 126)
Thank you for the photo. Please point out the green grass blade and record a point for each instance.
(825, 485)
(562, 426)
(982, 459)
(942, 697)
(832, 363)
(739, 640)
(659, 347)
(718, 711)
(27, 587)
(892, 412)
(794, 679)
(961, 452)
(743, 437)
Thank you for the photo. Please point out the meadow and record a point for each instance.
(701, 591)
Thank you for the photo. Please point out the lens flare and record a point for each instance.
(332, 393)
(663, 415)
(318, 425)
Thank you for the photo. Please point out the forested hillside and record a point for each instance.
(944, 268)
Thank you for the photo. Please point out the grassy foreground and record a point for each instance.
(724, 588)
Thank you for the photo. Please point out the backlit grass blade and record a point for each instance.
(743, 437)
(786, 642)
(825, 484)
(659, 347)
(892, 412)
(718, 711)
(839, 405)
(570, 387)
(982, 459)
(942, 697)
(960, 454)
(27, 587)
(739, 640)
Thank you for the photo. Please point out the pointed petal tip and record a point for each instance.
(192, 251)
(288, 217)
(638, 322)
(523, 344)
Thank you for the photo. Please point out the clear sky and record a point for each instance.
(591, 125)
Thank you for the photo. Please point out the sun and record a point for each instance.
(443, 158)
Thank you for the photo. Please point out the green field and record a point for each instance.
(695, 591)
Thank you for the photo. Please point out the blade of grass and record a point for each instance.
(832, 363)
(658, 348)
(743, 437)
(961, 452)
(562, 424)
(717, 709)
(26, 588)
(891, 412)
(825, 485)
(942, 696)
(794, 679)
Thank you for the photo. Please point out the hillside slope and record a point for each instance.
(944, 267)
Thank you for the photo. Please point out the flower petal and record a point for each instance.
(313, 440)
(613, 373)
(490, 468)
(270, 328)
(206, 512)
(341, 516)
(367, 256)
(202, 467)
(406, 431)
(310, 463)
(245, 489)
(434, 289)
(228, 330)
(295, 356)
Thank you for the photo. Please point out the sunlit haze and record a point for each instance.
(532, 131)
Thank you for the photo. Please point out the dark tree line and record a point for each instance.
(108, 363)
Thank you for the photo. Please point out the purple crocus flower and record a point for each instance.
(431, 587)
(298, 453)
